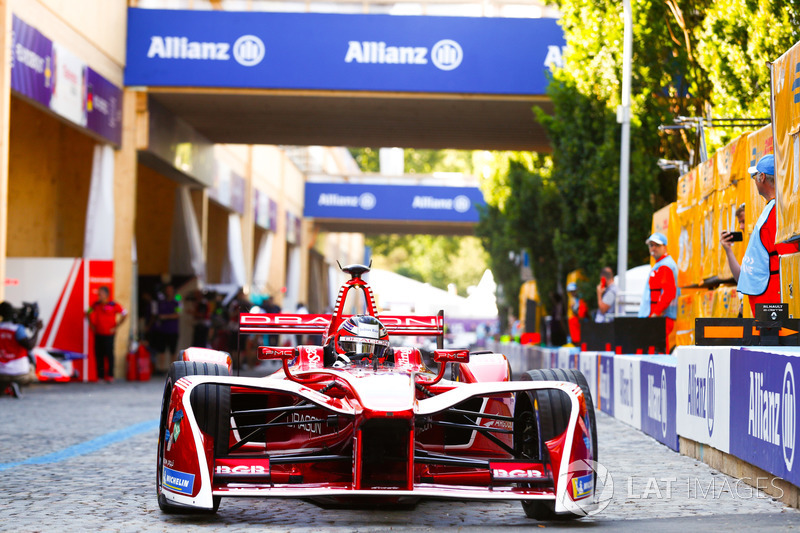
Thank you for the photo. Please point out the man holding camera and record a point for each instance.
(759, 275)
(15, 341)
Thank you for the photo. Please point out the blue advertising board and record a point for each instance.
(392, 202)
(52, 76)
(316, 51)
(605, 381)
(659, 406)
(764, 411)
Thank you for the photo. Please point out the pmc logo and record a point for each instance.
(248, 50)
(789, 421)
(447, 54)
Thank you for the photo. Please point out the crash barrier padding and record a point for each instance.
(741, 401)
(626, 335)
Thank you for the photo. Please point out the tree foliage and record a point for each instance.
(434, 259)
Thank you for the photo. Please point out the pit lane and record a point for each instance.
(82, 457)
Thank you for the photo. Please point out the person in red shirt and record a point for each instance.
(105, 316)
(660, 296)
(759, 275)
(578, 311)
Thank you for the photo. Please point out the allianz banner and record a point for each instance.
(764, 411)
(703, 377)
(658, 399)
(341, 52)
(392, 202)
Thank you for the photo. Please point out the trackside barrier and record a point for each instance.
(715, 401)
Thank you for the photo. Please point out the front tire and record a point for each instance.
(554, 409)
(212, 406)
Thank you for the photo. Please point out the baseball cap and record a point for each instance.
(572, 286)
(766, 165)
(657, 238)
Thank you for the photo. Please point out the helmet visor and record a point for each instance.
(362, 345)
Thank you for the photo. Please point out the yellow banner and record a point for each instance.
(732, 162)
(759, 143)
(786, 116)
(687, 189)
(707, 176)
(727, 203)
(790, 283)
(726, 302)
(689, 248)
(709, 237)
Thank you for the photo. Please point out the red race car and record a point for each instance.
(357, 420)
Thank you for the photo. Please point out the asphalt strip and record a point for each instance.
(87, 447)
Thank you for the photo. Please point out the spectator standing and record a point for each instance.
(759, 275)
(165, 325)
(660, 296)
(105, 316)
(578, 311)
(606, 296)
(15, 341)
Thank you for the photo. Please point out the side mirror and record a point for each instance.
(451, 356)
(276, 352)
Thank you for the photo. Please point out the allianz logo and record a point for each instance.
(460, 203)
(626, 385)
(247, 50)
(701, 393)
(605, 382)
(657, 400)
(365, 201)
(772, 414)
(445, 54)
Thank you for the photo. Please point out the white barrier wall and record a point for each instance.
(741, 401)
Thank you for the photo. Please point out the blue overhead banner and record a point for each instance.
(392, 202)
(340, 52)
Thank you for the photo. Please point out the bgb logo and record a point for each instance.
(240, 469)
(789, 420)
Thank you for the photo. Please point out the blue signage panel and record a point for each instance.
(392, 202)
(659, 406)
(340, 52)
(606, 384)
(764, 411)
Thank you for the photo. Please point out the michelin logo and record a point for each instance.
(248, 50)
(445, 54)
(177, 481)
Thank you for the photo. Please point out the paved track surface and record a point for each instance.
(81, 457)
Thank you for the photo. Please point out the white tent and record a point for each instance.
(398, 294)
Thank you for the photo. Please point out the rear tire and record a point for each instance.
(212, 407)
(554, 409)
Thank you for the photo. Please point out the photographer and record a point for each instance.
(15, 341)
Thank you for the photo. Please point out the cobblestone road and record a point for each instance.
(111, 487)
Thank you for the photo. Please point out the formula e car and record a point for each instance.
(356, 421)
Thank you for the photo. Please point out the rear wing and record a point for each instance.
(292, 324)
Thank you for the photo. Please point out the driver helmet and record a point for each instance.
(362, 335)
